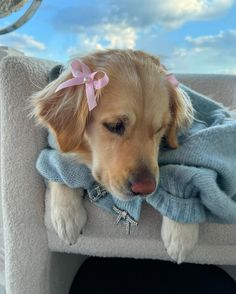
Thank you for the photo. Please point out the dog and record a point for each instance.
(138, 104)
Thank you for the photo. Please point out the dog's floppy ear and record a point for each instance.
(64, 112)
(180, 106)
(181, 114)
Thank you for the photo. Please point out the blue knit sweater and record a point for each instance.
(197, 180)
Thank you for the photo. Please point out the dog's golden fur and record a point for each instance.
(138, 95)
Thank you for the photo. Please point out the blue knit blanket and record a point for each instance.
(197, 180)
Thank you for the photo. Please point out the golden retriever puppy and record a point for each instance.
(119, 138)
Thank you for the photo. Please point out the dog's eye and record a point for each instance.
(116, 128)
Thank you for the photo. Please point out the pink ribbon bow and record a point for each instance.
(85, 77)
(170, 77)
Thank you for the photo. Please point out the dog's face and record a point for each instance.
(125, 130)
(119, 139)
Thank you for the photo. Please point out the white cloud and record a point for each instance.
(139, 13)
(105, 36)
(182, 11)
(122, 24)
(222, 38)
(169, 13)
(121, 36)
(22, 42)
(32, 43)
(85, 44)
(209, 53)
(182, 52)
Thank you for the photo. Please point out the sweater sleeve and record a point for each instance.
(192, 195)
(177, 197)
(56, 167)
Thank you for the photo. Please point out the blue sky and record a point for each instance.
(192, 36)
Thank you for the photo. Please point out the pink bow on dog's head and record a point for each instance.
(83, 75)
(170, 77)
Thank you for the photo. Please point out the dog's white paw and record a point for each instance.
(68, 214)
(69, 222)
(179, 239)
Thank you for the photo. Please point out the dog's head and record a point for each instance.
(119, 139)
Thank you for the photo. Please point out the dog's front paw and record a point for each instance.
(179, 239)
(69, 222)
(68, 214)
